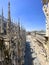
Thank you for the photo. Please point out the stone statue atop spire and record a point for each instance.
(45, 1)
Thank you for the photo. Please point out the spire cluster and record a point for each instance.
(14, 39)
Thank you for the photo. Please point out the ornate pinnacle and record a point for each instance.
(9, 20)
(2, 22)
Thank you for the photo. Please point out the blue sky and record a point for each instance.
(29, 11)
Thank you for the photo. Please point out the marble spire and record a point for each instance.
(9, 19)
(2, 22)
